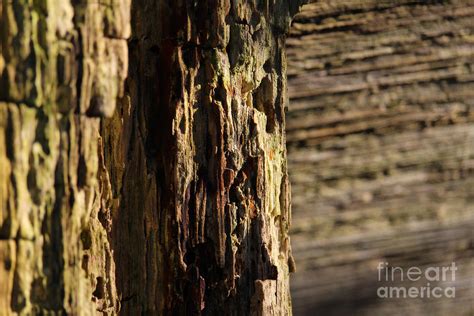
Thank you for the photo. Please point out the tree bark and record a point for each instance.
(62, 63)
(204, 185)
(178, 203)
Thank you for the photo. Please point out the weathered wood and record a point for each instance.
(199, 138)
(177, 204)
(380, 145)
(61, 64)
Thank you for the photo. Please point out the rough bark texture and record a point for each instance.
(201, 195)
(61, 64)
(176, 205)
(380, 135)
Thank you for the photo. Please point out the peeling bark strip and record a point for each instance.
(179, 203)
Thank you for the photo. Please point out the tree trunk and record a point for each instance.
(201, 139)
(176, 204)
(62, 63)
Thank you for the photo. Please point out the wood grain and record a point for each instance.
(380, 134)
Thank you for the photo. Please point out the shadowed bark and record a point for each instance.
(204, 184)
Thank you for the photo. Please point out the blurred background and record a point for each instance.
(380, 134)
